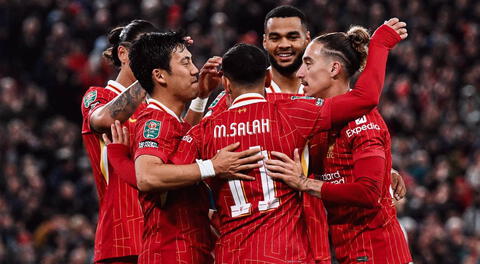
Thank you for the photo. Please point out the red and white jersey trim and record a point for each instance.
(274, 88)
(155, 104)
(246, 99)
(115, 87)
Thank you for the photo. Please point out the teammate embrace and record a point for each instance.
(242, 159)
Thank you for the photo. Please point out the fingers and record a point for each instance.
(231, 147)
(276, 168)
(114, 133)
(241, 176)
(281, 156)
(106, 139)
(126, 136)
(188, 40)
(398, 26)
(248, 152)
(400, 193)
(250, 159)
(212, 64)
(276, 176)
(276, 163)
(118, 128)
(296, 156)
(248, 167)
(392, 21)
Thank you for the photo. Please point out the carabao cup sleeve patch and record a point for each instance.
(89, 98)
(152, 129)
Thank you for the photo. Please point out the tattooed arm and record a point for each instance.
(120, 108)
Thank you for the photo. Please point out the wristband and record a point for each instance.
(206, 168)
(198, 104)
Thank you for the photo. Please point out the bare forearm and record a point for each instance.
(167, 176)
(313, 187)
(124, 105)
(120, 108)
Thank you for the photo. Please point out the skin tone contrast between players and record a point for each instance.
(243, 158)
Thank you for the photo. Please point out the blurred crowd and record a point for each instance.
(50, 52)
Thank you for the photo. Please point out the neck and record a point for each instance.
(237, 91)
(339, 87)
(169, 100)
(288, 84)
(124, 78)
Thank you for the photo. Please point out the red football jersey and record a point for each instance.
(120, 219)
(360, 234)
(176, 222)
(313, 208)
(260, 221)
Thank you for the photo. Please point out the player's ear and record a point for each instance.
(226, 85)
(335, 69)
(122, 54)
(264, 42)
(158, 76)
(268, 78)
(308, 36)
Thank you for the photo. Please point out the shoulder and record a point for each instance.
(371, 123)
(94, 95)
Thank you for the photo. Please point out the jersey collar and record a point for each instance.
(246, 99)
(274, 88)
(115, 87)
(155, 104)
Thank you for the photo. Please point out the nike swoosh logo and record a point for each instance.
(132, 120)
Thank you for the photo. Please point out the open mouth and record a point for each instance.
(285, 56)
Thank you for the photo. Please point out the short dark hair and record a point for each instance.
(285, 11)
(245, 64)
(153, 51)
(126, 34)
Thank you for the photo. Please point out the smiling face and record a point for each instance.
(182, 79)
(285, 40)
(317, 71)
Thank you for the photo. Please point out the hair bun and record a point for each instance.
(359, 38)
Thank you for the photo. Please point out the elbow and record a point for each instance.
(371, 199)
(146, 183)
(373, 102)
(143, 183)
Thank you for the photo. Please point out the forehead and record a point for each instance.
(180, 52)
(313, 50)
(283, 25)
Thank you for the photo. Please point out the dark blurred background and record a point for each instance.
(50, 52)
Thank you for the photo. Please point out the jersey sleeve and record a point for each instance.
(310, 116)
(94, 98)
(121, 163)
(366, 137)
(153, 136)
(218, 105)
(365, 191)
(188, 150)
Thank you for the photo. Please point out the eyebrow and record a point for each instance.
(288, 33)
(307, 58)
(186, 59)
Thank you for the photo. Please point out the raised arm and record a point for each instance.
(366, 94)
(120, 108)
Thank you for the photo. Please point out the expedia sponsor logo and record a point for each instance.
(333, 177)
(358, 129)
